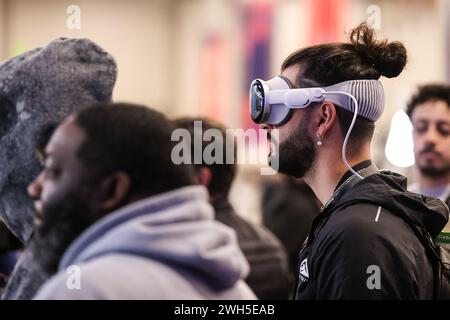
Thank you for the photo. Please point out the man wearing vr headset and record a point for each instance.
(324, 106)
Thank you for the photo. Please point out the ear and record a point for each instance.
(327, 117)
(113, 190)
(204, 176)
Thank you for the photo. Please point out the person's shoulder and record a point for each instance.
(354, 215)
(66, 286)
(248, 231)
(256, 237)
(106, 277)
(360, 223)
(240, 291)
(361, 214)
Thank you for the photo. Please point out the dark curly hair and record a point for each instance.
(363, 57)
(430, 92)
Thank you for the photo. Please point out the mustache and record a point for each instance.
(430, 149)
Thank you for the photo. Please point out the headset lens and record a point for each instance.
(257, 98)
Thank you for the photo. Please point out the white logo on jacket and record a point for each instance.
(304, 274)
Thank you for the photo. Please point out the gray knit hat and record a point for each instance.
(38, 89)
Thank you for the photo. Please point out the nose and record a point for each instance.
(35, 188)
(266, 126)
(431, 136)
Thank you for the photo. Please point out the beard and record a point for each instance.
(63, 222)
(430, 170)
(297, 152)
(434, 172)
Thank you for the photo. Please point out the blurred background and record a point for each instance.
(197, 57)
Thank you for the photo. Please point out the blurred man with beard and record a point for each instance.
(429, 111)
(111, 201)
(361, 245)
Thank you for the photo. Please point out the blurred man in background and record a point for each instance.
(429, 111)
(288, 209)
(111, 201)
(269, 276)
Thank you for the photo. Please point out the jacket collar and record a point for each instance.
(348, 181)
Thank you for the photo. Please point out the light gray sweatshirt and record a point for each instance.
(164, 247)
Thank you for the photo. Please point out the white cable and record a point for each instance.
(350, 128)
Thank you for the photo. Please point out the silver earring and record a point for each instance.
(319, 143)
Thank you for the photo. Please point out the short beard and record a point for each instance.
(62, 224)
(432, 172)
(298, 151)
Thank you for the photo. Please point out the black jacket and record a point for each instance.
(269, 276)
(360, 248)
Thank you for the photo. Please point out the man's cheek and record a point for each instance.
(52, 194)
(283, 134)
(47, 192)
(446, 151)
(417, 145)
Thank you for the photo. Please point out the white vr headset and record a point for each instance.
(272, 101)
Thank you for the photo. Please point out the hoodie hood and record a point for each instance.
(176, 228)
(388, 190)
(39, 89)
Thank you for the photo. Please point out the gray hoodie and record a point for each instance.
(164, 247)
(39, 89)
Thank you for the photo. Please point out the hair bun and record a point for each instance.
(388, 58)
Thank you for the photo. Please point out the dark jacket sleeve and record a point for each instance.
(357, 257)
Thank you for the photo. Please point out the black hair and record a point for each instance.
(133, 139)
(363, 57)
(430, 92)
(222, 174)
